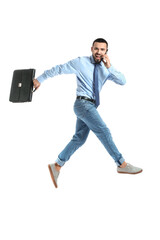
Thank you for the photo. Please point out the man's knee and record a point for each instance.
(80, 139)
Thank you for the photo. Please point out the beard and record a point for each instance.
(97, 58)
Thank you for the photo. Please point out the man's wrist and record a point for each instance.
(107, 65)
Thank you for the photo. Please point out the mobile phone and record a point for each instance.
(103, 59)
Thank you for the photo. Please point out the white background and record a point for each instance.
(93, 201)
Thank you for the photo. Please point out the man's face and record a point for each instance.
(98, 51)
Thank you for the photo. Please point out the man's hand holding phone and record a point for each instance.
(106, 61)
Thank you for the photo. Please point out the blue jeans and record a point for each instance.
(88, 119)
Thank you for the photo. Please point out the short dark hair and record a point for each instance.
(100, 40)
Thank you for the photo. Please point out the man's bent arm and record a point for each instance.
(116, 76)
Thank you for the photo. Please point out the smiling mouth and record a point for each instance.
(98, 58)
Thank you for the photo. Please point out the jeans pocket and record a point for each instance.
(78, 108)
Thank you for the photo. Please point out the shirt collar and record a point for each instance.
(92, 60)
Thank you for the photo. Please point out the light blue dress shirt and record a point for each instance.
(83, 68)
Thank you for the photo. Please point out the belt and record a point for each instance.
(85, 98)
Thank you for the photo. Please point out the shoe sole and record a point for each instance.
(130, 173)
(52, 176)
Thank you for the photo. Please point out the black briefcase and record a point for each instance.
(22, 85)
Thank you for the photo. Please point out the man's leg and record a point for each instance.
(77, 141)
(88, 113)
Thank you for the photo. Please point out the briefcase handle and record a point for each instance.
(34, 89)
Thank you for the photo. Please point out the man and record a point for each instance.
(91, 72)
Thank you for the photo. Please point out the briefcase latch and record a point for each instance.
(19, 84)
